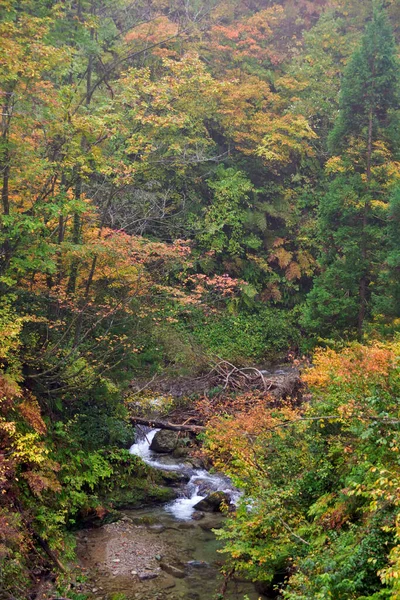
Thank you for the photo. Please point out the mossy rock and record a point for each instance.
(174, 477)
(213, 502)
(134, 484)
(165, 441)
(140, 494)
(181, 452)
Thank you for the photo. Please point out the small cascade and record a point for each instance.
(200, 483)
(141, 448)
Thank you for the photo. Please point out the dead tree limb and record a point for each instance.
(169, 426)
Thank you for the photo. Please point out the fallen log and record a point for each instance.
(169, 426)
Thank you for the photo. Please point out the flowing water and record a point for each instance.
(192, 540)
(136, 556)
(200, 482)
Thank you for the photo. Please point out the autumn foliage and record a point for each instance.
(320, 481)
(183, 182)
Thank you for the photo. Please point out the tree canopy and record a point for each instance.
(188, 181)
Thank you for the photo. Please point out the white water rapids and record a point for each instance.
(200, 484)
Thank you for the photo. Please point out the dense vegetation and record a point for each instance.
(189, 179)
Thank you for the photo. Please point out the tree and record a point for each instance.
(366, 139)
(387, 297)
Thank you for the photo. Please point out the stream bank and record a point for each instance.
(166, 552)
(150, 555)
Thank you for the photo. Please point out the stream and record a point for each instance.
(200, 482)
(166, 552)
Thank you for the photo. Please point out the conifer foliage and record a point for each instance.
(353, 212)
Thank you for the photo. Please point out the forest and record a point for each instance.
(186, 186)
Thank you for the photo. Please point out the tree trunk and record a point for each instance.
(364, 254)
(5, 169)
(76, 234)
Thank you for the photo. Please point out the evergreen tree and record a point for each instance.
(369, 92)
(351, 224)
(387, 298)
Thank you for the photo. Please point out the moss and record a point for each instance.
(133, 483)
(141, 492)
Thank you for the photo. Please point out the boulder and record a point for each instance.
(197, 463)
(213, 502)
(181, 452)
(164, 441)
(174, 477)
(204, 488)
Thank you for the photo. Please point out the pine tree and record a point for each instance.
(387, 297)
(369, 92)
(365, 140)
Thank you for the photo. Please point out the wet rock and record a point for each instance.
(213, 502)
(164, 441)
(147, 576)
(198, 515)
(180, 452)
(174, 477)
(210, 525)
(198, 564)
(204, 487)
(197, 463)
(174, 571)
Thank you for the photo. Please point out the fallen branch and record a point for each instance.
(45, 546)
(169, 426)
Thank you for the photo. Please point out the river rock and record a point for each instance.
(174, 477)
(156, 528)
(164, 441)
(186, 525)
(198, 515)
(174, 571)
(213, 502)
(166, 583)
(196, 462)
(210, 525)
(147, 576)
(180, 452)
(198, 564)
(204, 488)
